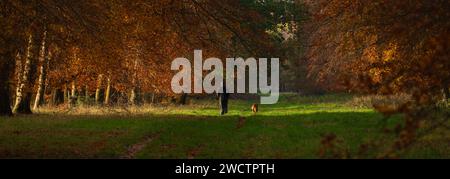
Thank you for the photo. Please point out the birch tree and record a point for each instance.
(43, 60)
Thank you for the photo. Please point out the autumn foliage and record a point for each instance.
(117, 49)
(388, 48)
(112, 52)
(382, 46)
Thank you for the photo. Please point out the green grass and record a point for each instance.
(293, 128)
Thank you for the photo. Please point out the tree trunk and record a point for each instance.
(6, 66)
(43, 59)
(5, 108)
(135, 96)
(18, 74)
(23, 94)
(134, 91)
(57, 97)
(73, 92)
(86, 94)
(98, 95)
(66, 94)
(132, 100)
(445, 94)
(73, 95)
(108, 92)
(153, 98)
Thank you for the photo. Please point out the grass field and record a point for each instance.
(293, 128)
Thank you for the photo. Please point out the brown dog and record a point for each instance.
(255, 108)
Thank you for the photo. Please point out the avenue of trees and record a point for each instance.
(59, 51)
(119, 51)
(105, 52)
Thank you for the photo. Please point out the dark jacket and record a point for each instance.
(223, 96)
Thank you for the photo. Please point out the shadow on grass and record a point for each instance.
(84, 136)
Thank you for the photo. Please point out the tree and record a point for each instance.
(44, 58)
(386, 47)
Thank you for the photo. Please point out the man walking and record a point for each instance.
(223, 100)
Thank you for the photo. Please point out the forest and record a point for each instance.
(92, 79)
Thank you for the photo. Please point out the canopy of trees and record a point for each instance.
(93, 49)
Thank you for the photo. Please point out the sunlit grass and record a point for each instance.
(290, 129)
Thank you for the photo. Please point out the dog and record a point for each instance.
(255, 108)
